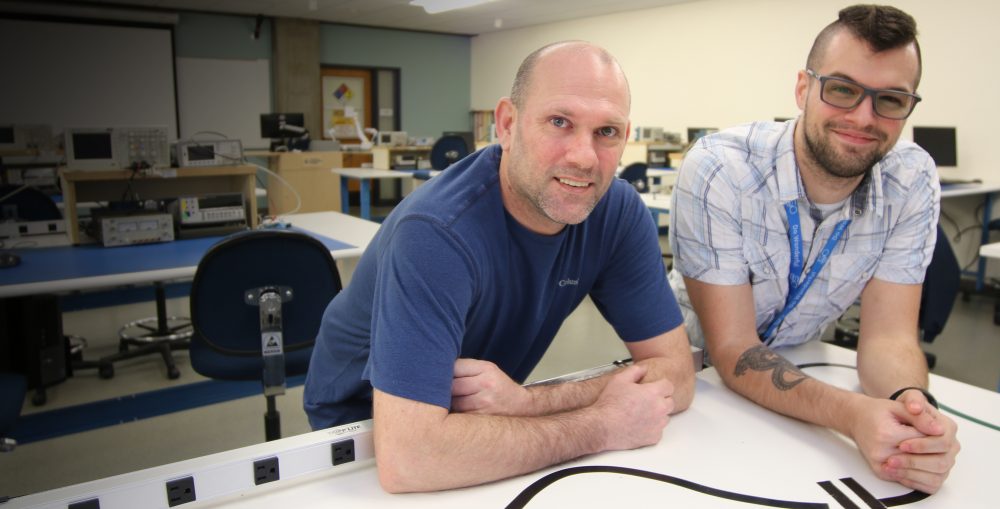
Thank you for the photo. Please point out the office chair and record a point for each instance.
(447, 150)
(635, 174)
(28, 204)
(937, 298)
(12, 390)
(257, 301)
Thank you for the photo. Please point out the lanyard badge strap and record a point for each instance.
(796, 286)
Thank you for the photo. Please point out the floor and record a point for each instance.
(968, 350)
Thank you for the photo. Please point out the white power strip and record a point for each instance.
(215, 476)
(14, 229)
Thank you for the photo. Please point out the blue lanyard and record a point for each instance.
(796, 286)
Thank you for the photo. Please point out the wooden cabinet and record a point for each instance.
(309, 174)
(100, 186)
(391, 158)
(398, 158)
(483, 126)
(656, 155)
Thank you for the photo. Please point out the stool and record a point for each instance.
(154, 334)
(160, 334)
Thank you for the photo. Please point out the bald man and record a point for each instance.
(471, 276)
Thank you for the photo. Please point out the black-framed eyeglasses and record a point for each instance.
(846, 94)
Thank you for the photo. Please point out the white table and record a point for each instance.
(657, 203)
(342, 227)
(722, 442)
(364, 176)
(990, 250)
(987, 189)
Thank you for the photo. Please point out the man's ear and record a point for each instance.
(504, 118)
(802, 89)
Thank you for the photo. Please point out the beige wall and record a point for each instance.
(716, 63)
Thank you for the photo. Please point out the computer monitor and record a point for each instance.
(697, 132)
(939, 142)
(272, 125)
(470, 143)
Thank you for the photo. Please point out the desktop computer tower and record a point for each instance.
(32, 343)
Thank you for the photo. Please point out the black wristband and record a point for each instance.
(930, 397)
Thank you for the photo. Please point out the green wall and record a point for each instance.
(434, 71)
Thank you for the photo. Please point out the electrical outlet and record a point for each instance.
(265, 470)
(180, 491)
(343, 451)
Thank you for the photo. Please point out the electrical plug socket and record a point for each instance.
(343, 451)
(266, 470)
(180, 491)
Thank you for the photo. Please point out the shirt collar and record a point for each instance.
(867, 196)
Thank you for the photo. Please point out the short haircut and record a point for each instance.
(522, 80)
(883, 27)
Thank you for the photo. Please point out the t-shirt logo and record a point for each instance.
(569, 282)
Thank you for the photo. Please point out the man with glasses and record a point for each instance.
(778, 227)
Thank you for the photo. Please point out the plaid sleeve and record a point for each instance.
(705, 221)
(911, 239)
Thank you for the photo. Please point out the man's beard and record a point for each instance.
(837, 164)
(533, 189)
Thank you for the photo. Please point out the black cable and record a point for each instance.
(128, 185)
(945, 216)
(523, 498)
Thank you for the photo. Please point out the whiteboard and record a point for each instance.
(224, 96)
(86, 75)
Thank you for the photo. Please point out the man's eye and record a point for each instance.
(608, 132)
(559, 122)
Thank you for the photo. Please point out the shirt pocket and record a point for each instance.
(849, 273)
(763, 266)
(768, 276)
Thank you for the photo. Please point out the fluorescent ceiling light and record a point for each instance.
(436, 6)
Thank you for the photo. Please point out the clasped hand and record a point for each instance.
(907, 441)
(481, 387)
(632, 411)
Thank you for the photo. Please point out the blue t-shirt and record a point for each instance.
(451, 274)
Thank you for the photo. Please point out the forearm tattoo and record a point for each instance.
(784, 374)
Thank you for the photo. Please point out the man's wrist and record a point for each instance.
(930, 397)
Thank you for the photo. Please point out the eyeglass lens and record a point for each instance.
(845, 94)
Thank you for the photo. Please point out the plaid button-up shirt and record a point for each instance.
(728, 227)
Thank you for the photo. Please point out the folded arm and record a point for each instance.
(747, 366)
(889, 434)
(481, 387)
(422, 447)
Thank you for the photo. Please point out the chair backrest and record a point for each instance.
(941, 286)
(447, 150)
(635, 174)
(249, 260)
(28, 204)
